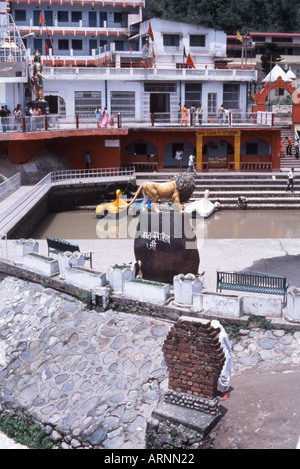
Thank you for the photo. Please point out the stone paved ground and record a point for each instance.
(96, 377)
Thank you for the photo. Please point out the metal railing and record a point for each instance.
(54, 122)
(12, 215)
(87, 174)
(9, 186)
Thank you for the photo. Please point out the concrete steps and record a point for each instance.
(263, 191)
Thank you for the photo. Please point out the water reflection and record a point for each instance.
(227, 224)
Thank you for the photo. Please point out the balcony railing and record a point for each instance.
(87, 121)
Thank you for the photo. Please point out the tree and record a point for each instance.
(270, 57)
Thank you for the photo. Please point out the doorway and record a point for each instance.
(160, 106)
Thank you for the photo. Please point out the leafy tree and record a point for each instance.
(270, 57)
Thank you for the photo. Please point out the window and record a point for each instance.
(20, 15)
(140, 148)
(38, 45)
(123, 102)
(231, 96)
(212, 103)
(86, 102)
(197, 41)
(251, 148)
(48, 17)
(193, 94)
(92, 19)
(62, 16)
(76, 44)
(119, 45)
(171, 40)
(63, 44)
(76, 16)
(117, 17)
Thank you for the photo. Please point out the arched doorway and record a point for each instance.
(217, 152)
(170, 149)
(261, 97)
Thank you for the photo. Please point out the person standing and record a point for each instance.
(98, 115)
(104, 121)
(178, 158)
(290, 180)
(3, 117)
(199, 114)
(183, 115)
(18, 117)
(191, 165)
(88, 160)
(289, 146)
(192, 115)
(221, 114)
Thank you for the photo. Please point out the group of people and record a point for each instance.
(191, 163)
(34, 112)
(5, 115)
(196, 113)
(102, 118)
(286, 147)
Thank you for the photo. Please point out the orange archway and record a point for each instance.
(261, 97)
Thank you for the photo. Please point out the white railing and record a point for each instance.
(9, 186)
(88, 174)
(12, 215)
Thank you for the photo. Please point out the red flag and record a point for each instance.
(41, 19)
(189, 61)
(46, 50)
(144, 63)
(130, 48)
(150, 32)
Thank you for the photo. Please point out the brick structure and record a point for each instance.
(194, 358)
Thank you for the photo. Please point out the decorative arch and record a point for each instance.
(261, 97)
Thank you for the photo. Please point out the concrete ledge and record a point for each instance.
(198, 421)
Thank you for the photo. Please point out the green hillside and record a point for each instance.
(230, 15)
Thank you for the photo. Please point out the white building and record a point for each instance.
(100, 53)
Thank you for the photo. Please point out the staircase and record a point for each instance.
(289, 162)
(263, 191)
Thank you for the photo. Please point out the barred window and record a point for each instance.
(86, 102)
(231, 96)
(123, 102)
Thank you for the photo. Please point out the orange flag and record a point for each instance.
(189, 61)
(41, 20)
(150, 32)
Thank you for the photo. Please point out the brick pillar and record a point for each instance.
(194, 359)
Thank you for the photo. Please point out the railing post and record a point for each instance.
(77, 121)
(23, 124)
(119, 120)
(152, 119)
(46, 123)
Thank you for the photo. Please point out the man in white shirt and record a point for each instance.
(191, 164)
(291, 180)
